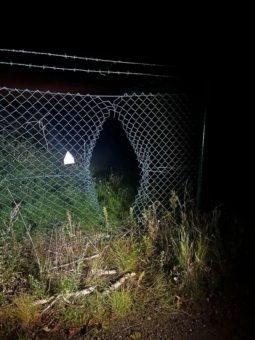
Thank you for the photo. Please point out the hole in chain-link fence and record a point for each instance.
(40, 129)
(114, 168)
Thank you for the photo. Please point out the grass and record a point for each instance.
(115, 196)
(71, 277)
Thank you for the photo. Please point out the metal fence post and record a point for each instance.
(202, 147)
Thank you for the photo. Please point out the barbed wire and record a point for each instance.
(83, 58)
(104, 73)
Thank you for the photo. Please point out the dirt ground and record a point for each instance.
(212, 320)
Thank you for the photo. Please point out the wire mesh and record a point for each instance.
(37, 130)
(162, 130)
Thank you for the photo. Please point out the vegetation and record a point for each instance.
(60, 272)
(70, 277)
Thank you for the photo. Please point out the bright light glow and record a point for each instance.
(68, 158)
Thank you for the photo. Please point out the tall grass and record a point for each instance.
(115, 196)
(67, 274)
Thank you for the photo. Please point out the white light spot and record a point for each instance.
(68, 158)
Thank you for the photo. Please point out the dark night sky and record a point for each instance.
(228, 143)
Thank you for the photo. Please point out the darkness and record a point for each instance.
(215, 70)
(228, 174)
(114, 153)
(214, 66)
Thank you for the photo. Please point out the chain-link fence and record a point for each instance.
(41, 131)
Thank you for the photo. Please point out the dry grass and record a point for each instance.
(76, 276)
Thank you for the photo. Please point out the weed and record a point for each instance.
(25, 310)
(121, 302)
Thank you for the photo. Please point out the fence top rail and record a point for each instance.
(125, 95)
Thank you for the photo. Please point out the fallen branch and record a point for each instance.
(86, 291)
(65, 296)
(52, 303)
(43, 301)
(104, 272)
(77, 261)
(119, 283)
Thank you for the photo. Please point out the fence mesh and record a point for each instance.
(163, 133)
(37, 129)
